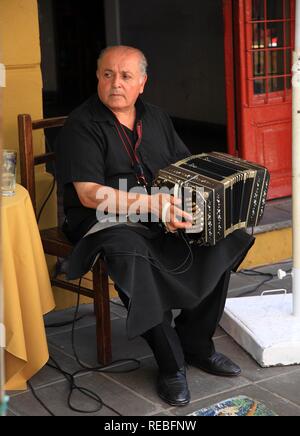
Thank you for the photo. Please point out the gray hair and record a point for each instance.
(143, 60)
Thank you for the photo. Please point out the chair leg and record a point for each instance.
(102, 312)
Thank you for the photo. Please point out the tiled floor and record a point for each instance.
(133, 393)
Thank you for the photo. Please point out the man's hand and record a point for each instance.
(165, 206)
(170, 212)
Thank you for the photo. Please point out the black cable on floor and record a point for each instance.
(87, 392)
(254, 272)
(70, 377)
(39, 400)
(105, 368)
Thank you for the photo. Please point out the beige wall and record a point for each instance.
(19, 33)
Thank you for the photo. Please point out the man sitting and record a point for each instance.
(110, 144)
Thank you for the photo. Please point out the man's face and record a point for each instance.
(120, 80)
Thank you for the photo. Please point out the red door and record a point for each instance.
(258, 72)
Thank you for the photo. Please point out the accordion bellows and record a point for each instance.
(223, 193)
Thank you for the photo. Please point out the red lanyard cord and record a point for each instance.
(132, 151)
(124, 143)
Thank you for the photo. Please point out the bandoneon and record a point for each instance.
(223, 193)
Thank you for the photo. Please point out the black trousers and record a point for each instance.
(193, 331)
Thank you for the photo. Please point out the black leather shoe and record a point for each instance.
(173, 388)
(217, 364)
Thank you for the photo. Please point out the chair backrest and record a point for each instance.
(57, 245)
(26, 147)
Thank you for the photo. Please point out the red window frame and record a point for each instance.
(274, 96)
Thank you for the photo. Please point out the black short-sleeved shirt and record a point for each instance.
(89, 149)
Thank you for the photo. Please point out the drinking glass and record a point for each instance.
(9, 166)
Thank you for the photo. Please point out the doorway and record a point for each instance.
(264, 43)
(72, 35)
(184, 45)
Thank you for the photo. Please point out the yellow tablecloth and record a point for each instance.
(27, 290)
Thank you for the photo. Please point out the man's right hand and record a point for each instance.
(165, 206)
(170, 212)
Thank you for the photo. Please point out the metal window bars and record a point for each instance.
(270, 25)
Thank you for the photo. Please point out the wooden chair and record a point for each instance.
(54, 241)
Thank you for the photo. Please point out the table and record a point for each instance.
(27, 290)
